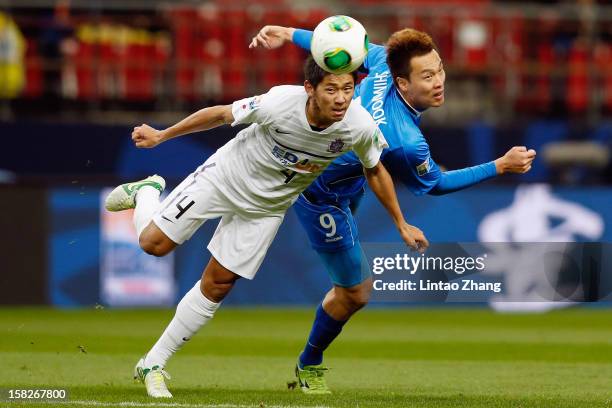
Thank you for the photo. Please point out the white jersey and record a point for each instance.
(267, 165)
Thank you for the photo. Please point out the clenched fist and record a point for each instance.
(144, 136)
(516, 160)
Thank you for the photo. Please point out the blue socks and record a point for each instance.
(324, 330)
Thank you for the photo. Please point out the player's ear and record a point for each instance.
(309, 88)
(402, 83)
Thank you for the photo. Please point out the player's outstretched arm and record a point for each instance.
(517, 160)
(272, 37)
(145, 136)
(381, 183)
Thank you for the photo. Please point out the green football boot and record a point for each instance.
(312, 380)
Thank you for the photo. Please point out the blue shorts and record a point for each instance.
(330, 225)
(333, 233)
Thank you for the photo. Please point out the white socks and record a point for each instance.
(192, 312)
(147, 201)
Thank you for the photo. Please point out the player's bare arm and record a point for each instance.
(272, 36)
(517, 160)
(381, 183)
(145, 136)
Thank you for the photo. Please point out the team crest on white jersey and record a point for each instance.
(335, 146)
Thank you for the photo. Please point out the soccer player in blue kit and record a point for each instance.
(404, 79)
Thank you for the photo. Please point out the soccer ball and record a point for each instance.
(339, 44)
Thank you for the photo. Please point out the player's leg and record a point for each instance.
(143, 197)
(239, 243)
(346, 297)
(153, 241)
(195, 200)
(351, 292)
(349, 272)
(238, 248)
(162, 226)
(333, 233)
(195, 310)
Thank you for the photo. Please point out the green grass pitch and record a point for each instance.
(384, 358)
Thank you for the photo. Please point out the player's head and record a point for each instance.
(416, 67)
(329, 95)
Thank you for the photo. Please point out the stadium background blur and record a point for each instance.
(76, 76)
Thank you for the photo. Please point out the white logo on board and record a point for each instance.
(536, 215)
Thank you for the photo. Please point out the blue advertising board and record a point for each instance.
(293, 274)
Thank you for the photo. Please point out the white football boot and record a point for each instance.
(153, 378)
(123, 197)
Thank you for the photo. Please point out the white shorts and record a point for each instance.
(240, 241)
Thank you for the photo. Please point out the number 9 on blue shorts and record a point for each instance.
(330, 228)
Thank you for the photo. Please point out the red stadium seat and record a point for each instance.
(542, 89)
(33, 71)
(184, 25)
(603, 61)
(235, 56)
(578, 79)
(85, 62)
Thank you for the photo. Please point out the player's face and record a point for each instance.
(329, 101)
(425, 87)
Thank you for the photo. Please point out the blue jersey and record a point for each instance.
(326, 207)
(407, 158)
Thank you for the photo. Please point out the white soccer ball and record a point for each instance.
(339, 44)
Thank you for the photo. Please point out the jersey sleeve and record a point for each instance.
(369, 147)
(302, 38)
(414, 167)
(377, 55)
(251, 110)
(455, 180)
(424, 169)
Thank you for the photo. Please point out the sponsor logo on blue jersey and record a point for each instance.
(380, 89)
(423, 168)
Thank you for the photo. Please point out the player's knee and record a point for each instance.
(154, 246)
(217, 281)
(154, 242)
(358, 299)
(355, 298)
(153, 249)
(216, 289)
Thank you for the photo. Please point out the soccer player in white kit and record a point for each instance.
(250, 183)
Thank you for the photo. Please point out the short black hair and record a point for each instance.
(315, 74)
(404, 45)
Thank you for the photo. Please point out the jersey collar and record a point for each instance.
(412, 110)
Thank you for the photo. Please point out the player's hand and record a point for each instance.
(413, 237)
(144, 136)
(516, 160)
(271, 37)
